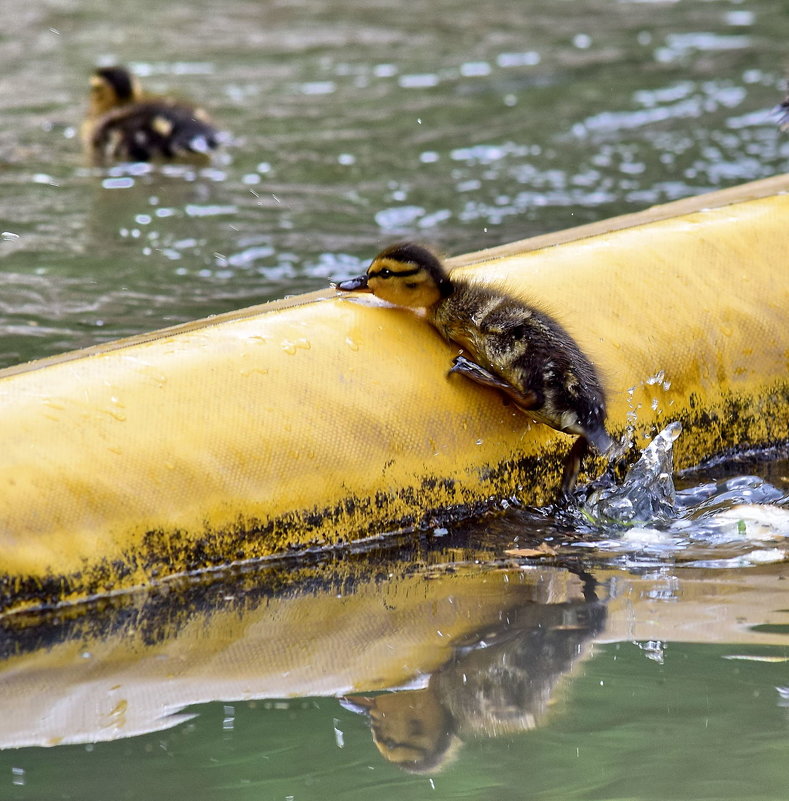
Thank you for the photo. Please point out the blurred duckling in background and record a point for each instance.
(124, 124)
(511, 345)
(782, 112)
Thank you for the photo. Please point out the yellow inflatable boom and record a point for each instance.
(322, 419)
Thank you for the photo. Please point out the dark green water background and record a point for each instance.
(357, 122)
(696, 727)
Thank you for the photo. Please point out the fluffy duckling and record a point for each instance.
(782, 112)
(125, 124)
(511, 345)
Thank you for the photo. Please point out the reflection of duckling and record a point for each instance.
(513, 346)
(501, 681)
(124, 124)
(411, 729)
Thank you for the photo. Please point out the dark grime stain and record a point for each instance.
(734, 424)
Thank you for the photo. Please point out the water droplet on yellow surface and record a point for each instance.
(351, 344)
(290, 346)
(117, 415)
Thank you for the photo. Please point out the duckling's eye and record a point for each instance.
(385, 273)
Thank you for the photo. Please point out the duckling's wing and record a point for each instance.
(477, 373)
(155, 130)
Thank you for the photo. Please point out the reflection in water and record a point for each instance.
(499, 680)
(472, 650)
(271, 633)
(481, 647)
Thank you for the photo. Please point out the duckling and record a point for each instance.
(511, 345)
(782, 112)
(125, 124)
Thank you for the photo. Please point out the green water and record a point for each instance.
(466, 124)
(696, 727)
(356, 123)
(533, 712)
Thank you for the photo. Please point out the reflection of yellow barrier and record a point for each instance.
(136, 668)
(318, 420)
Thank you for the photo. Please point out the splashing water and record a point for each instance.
(734, 522)
(647, 492)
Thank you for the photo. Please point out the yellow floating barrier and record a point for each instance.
(321, 419)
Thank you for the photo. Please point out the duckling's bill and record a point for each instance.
(358, 284)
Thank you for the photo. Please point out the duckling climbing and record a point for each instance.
(125, 124)
(511, 345)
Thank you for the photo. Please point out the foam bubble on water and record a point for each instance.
(125, 182)
(398, 216)
(528, 58)
(473, 69)
(385, 70)
(419, 81)
(739, 18)
(318, 88)
(208, 210)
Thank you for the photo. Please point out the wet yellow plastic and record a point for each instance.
(324, 419)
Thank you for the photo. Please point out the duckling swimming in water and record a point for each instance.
(782, 112)
(512, 346)
(125, 124)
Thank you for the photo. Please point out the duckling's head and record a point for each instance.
(111, 87)
(406, 274)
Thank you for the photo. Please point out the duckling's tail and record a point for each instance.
(602, 442)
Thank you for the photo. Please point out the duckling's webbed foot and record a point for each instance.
(572, 466)
(474, 371)
(478, 374)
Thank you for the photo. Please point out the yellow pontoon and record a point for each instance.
(321, 419)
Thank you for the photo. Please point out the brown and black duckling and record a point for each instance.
(124, 124)
(510, 345)
(782, 112)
